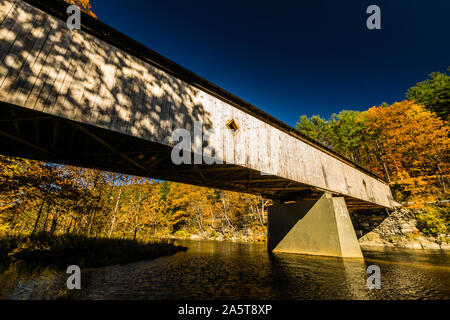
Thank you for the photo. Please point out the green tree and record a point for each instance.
(347, 133)
(433, 93)
(316, 128)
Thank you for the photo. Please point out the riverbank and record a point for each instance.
(60, 251)
(370, 240)
(410, 241)
(245, 238)
(399, 229)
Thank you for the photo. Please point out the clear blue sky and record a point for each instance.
(290, 58)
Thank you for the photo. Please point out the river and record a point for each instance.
(227, 270)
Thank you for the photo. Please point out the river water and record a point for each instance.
(227, 270)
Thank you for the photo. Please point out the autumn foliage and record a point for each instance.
(404, 143)
(412, 144)
(85, 6)
(40, 197)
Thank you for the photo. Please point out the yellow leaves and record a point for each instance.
(4, 228)
(85, 5)
(414, 144)
(100, 203)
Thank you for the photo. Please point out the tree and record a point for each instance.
(155, 221)
(44, 197)
(346, 133)
(315, 128)
(343, 132)
(433, 93)
(414, 146)
(85, 5)
(31, 186)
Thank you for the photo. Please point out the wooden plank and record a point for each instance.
(151, 123)
(228, 138)
(145, 107)
(5, 8)
(275, 150)
(241, 138)
(54, 64)
(17, 20)
(134, 79)
(66, 103)
(88, 82)
(104, 53)
(78, 75)
(139, 111)
(63, 80)
(121, 111)
(148, 123)
(105, 99)
(59, 80)
(8, 33)
(27, 75)
(19, 55)
(94, 81)
(35, 80)
(137, 93)
(219, 128)
(264, 153)
(166, 124)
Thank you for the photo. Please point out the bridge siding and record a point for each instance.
(77, 76)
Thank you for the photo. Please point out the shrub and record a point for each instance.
(432, 220)
(213, 233)
(4, 228)
(180, 234)
(59, 251)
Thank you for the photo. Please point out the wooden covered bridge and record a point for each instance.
(96, 98)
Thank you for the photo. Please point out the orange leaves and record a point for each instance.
(63, 199)
(414, 146)
(85, 6)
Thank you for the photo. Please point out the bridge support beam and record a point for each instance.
(321, 227)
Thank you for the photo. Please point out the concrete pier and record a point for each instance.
(321, 227)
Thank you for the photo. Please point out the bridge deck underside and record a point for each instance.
(34, 135)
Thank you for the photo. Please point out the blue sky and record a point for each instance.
(290, 58)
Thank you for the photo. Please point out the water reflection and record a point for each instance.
(225, 270)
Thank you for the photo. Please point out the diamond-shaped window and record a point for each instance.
(232, 125)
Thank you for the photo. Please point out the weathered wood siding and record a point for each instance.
(71, 74)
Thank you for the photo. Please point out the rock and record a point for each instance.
(430, 245)
(412, 245)
(408, 230)
(195, 237)
(371, 236)
(427, 243)
(398, 229)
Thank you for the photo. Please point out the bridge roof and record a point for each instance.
(114, 37)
